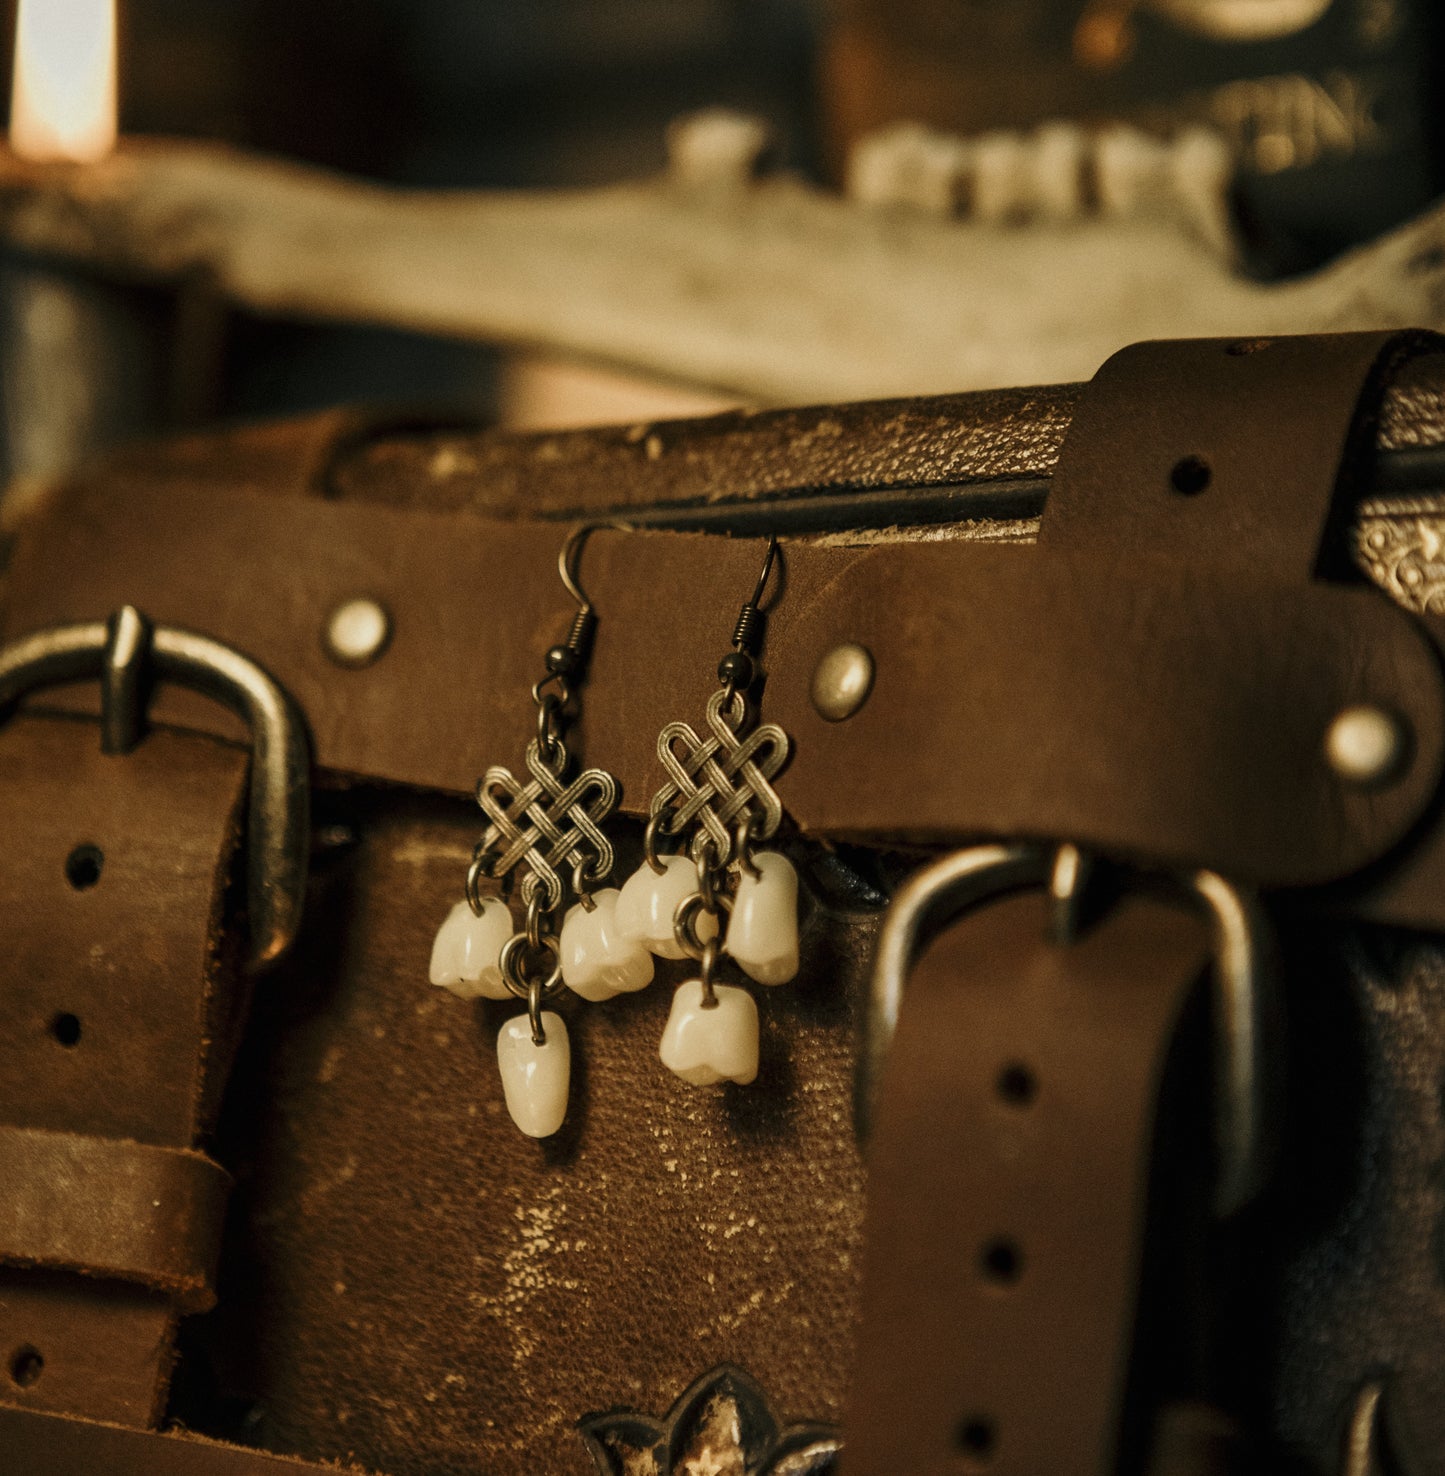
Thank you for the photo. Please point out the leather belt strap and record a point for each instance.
(1008, 1180)
(114, 1024)
(114, 1209)
(1223, 453)
(1005, 1237)
(34, 1444)
(1080, 696)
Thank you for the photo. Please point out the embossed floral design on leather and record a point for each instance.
(720, 1427)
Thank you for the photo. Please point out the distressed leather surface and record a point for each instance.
(32, 1443)
(1092, 733)
(411, 1283)
(113, 1208)
(114, 1024)
(393, 1233)
(999, 439)
(1005, 1239)
(1356, 1268)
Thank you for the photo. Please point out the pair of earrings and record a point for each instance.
(717, 804)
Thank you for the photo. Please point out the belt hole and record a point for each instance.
(977, 1438)
(82, 867)
(65, 1027)
(1017, 1085)
(1242, 347)
(1001, 1261)
(26, 1366)
(1190, 476)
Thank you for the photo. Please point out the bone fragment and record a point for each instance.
(778, 291)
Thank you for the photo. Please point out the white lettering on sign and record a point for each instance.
(1291, 122)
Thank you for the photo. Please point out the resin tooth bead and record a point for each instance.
(763, 930)
(535, 1078)
(464, 956)
(647, 903)
(598, 961)
(707, 1046)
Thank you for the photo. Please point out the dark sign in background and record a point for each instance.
(1333, 105)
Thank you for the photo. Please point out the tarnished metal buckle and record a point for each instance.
(1245, 1002)
(121, 653)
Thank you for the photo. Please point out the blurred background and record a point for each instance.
(1332, 109)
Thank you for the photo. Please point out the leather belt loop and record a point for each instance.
(1008, 1185)
(1223, 453)
(113, 1209)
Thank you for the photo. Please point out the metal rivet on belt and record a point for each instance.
(842, 681)
(1366, 745)
(357, 632)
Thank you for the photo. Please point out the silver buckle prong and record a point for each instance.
(1246, 1011)
(122, 653)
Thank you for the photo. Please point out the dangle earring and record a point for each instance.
(548, 830)
(718, 801)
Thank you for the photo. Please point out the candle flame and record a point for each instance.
(63, 105)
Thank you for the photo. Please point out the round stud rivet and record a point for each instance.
(1366, 745)
(357, 632)
(842, 681)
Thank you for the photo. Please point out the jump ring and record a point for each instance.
(537, 913)
(476, 872)
(656, 825)
(550, 728)
(708, 853)
(534, 1013)
(733, 709)
(684, 921)
(710, 955)
(582, 885)
(707, 881)
(510, 962)
(742, 845)
(552, 679)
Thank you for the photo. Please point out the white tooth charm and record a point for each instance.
(707, 1046)
(535, 1078)
(464, 956)
(598, 961)
(763, 930)
(647, 903)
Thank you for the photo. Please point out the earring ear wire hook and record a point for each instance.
(567, 663)
(768, 558)
(570, 558)
(567, 561)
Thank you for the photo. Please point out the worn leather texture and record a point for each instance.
(1356, 1256)
(115, 1021)
(456, 1296)
(34, 1444)
(408, 1284)
(113, 1208)
(1162, 654)
(1005, 1236)
(1163, 460)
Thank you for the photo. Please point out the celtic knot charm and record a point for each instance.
(718, 781)
(546, 823)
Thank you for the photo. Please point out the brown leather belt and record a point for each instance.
(115, 1024)
(113, 1209)
(1009, 1174)
(1175, 583)
(1143, 652)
